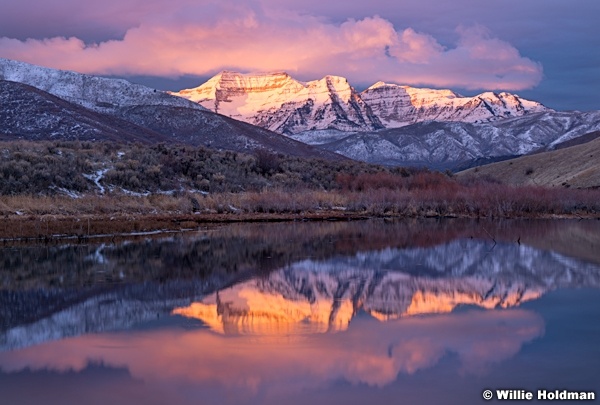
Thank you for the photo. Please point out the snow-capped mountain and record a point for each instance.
(33, 114)
(96, 93)
(392, 124)
(452, 145)
(282, 104)
(385, 124)
(397, 106)
(41, 103)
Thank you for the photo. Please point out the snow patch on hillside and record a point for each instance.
(93, 92)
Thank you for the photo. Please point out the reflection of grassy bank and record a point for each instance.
(261, 247)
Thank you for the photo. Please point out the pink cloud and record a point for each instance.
(204, 39)
(416, 48)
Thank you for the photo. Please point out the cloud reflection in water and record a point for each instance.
(368, 352)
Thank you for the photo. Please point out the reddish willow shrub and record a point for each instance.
(369, 181)
(417, 180)
(434, 193)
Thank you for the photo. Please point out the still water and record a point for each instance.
(411, 312)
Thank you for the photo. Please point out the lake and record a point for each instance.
(414, 311)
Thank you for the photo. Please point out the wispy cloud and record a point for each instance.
(192, 38)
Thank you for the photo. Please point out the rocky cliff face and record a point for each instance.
(397, 106)
(282, 104)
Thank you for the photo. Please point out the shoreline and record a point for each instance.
(56, 228)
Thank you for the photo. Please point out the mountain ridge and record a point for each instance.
(93, 92)
(74, 106)
(283, 104)
(455, 145)
(385, 124)
(280, 103)
(33, 114)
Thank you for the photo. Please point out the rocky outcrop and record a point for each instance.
(397, 106)
(282, 104)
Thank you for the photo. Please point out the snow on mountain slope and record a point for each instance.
(282, 104)
(33, 114)
(398, 106)
(93, 92)
(452, 145)
(392, 124)
(561, 126)
(121, 111)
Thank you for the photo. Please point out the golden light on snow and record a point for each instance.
(247, 308)
(244, 309)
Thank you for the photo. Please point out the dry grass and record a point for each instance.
(55, 168)
(425, 195)
(27, 205)
(422, 194)
(575, 167)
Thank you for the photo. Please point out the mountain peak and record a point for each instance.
(227, 83)
(382, 85)
(229, 75)
(278, 102)
(335, 79)
(377, 85)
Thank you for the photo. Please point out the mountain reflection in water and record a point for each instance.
(320, 296)
(251, 313)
